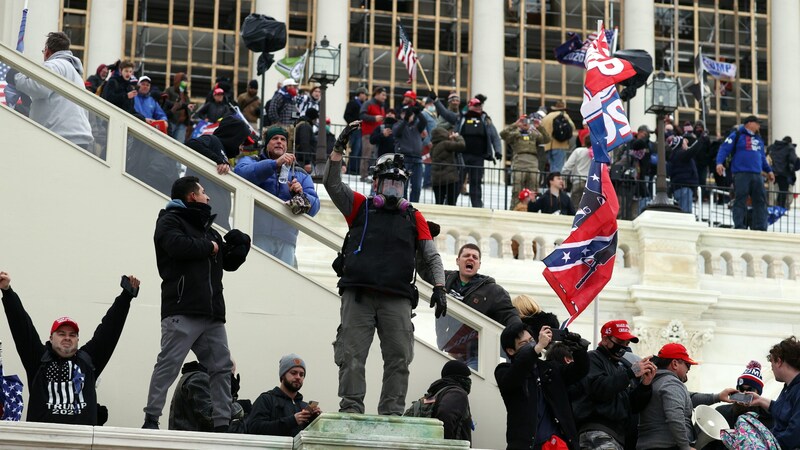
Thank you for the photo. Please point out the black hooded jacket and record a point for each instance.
(783, 156)
(518, 383)
(62, 390)
(191, 276)
(453, 407)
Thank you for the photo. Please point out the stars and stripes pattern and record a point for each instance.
(582, 265)
(602, 69)
(65, 387)
(12, 403)
(406, 53)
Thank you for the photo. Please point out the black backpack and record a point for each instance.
(427, 406)
(562, 130)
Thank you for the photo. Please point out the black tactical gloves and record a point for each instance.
(344, 136)
(439, 300)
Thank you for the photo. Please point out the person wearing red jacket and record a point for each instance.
(372, 114)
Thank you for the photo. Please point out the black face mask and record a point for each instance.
(618, 350)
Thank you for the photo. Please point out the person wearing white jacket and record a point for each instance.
(48, 108)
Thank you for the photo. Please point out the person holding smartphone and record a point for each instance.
(282, 411)
(61, 375)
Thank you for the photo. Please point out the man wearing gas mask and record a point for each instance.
(613, 390)
(376, 278)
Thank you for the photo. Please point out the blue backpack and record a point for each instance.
(749, 434)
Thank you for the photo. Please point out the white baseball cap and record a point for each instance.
(289, 82)
(145, 78)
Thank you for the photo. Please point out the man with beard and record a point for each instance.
(613, 390)
(666, 421)
(62, 377)
(282, 411)
(784, 359)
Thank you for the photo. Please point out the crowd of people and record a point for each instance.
(558, 394)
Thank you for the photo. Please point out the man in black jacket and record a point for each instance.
(613, 391)
(282, 411)
(191, 256)
(452, 400)
(481, 293)
(555, 200)
(61, 376)
(535, 391)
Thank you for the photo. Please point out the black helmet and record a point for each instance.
(390, 165)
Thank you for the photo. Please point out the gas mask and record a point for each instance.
(390, 194)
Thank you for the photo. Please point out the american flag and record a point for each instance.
(7, 94)
(406, 53)
(11, 401)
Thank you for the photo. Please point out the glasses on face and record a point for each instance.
(688, 366)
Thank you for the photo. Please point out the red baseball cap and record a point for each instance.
(218, 91)
(61, 321)
(673, 350)
(411, 94)
(620, 330)
(523, 194)
(474, 102)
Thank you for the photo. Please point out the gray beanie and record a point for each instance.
(289, 361)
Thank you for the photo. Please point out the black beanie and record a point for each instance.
(455, 368)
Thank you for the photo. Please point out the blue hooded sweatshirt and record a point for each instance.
(750, 153)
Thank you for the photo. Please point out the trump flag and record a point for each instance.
(603, 70)
(606, 120)
(582, 265)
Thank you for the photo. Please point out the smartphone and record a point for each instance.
(125, 283)
(559, 334)
(312, 404)
(742, 398)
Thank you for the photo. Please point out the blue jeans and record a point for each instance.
(684, 198)
(556, 159)
(749, 184)
(415, 182)
(355, 152)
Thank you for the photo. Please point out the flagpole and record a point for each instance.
(702, 87)
(596, 332)
(424, 77)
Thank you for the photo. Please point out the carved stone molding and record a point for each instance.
(653, 334)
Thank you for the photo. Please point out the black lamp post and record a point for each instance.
(661, 98)
(324, 70)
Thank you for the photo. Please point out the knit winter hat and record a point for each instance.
(274, 131)
(455, 368)
(752, 377)
(289, 361)
(675, 142)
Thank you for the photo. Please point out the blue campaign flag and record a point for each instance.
(573, 50)
(11, 392)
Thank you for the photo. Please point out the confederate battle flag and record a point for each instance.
(580, 267)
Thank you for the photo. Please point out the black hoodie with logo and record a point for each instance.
(62, 390)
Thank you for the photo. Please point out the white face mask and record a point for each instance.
(431, 109)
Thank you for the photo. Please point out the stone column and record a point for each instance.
(332, 17)
(487, 57)
(277, 10)
(638, 32)
(105, 33)
(785, 61)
